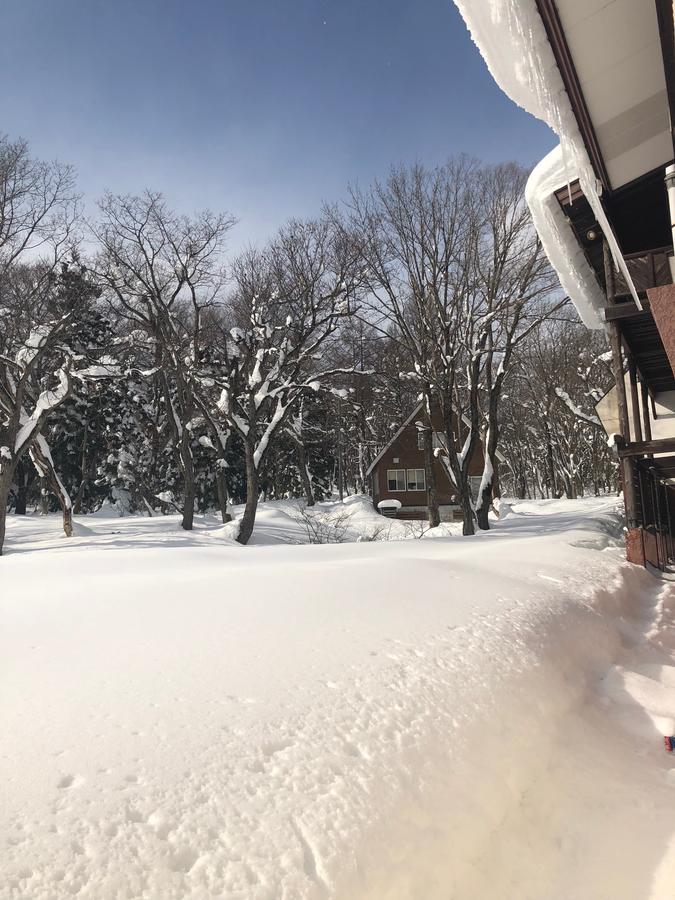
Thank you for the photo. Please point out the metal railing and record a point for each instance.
(656, 510)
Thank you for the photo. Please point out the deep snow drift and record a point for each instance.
(464, 718)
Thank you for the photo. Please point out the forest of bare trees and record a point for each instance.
(141, 366)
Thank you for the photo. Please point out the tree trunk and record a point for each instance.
(189, 494)
(84, 471)
(549, 460)
(483, 508)
(44, 496)
(21, 493)
(221, 485)
(67, 518)
(79, 496)
(339, 453)
(252, 488)
(485, 498)
(303, 471)
(468, 515)
(41, 456)
(522, 489)
(189, 487)
(6, 476)
(570, 488)
(430, 475)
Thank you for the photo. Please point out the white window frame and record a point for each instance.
(415, 480)
(395, 473)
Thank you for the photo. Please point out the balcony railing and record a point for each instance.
(647, 269)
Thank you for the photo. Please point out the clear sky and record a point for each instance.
(263, 108)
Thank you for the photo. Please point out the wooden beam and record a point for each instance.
(625, 311)
(646, 421)
(634, 402)
(642, 448)
(665, 472)
(626, 464)
(615, 344)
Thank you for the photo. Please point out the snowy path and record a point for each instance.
(421, 719)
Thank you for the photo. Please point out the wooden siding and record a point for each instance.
(403, 453)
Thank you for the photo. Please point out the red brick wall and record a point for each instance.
(662, 303)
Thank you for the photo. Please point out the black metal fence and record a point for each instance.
(656, 509)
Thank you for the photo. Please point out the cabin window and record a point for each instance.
(416, 480)
(396, 479)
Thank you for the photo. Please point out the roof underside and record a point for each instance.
(616, 52)
(639, 222)
(639, 213)
(643, 340)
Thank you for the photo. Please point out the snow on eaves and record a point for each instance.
(559, 241)
(512, 40)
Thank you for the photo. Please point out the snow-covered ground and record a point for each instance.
(277, 522)
(451, 718)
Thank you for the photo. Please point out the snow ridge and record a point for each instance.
(415, 719)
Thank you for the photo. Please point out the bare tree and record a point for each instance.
(296, 431)
(290, 300)
(553, 441)
(416, 234)
(518, 291)
(455, 266)
(163, 271)
(38, 209)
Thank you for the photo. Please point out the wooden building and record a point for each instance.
(398, 473)
(602, 76)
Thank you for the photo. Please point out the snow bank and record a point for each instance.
(188, 718)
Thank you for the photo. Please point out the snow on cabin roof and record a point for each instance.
(512, 40)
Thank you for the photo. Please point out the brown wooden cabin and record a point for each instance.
(397, 472)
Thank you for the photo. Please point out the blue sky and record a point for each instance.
(263, 108)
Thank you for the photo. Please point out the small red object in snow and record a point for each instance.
(670, 743)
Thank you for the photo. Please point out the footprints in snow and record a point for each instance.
(243, 701)
(271, 748)
(69, 781)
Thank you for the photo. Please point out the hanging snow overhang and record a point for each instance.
(514, 42)
(559, 241)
